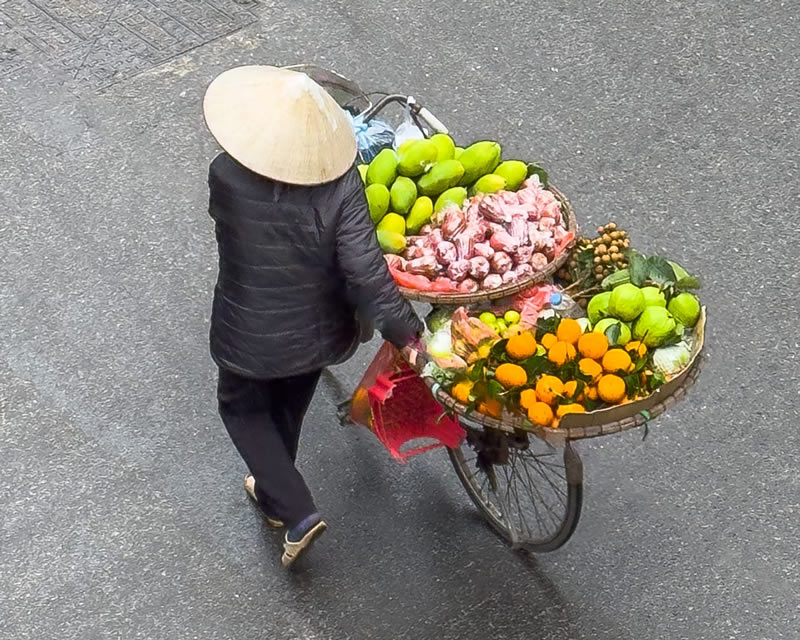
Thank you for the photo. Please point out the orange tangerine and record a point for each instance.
(561, 353)
(461, 392)
(593, 345)
(637, 347)
(548, 388)
(591, 393)
(548, 340)
(511, 375)
(569, 330)
(616, 360)
(574, 407)
(571, 390)
(522, 346)
(541, 414)
(589, 367)
(611, 389)
(491, 407)
(528, 398)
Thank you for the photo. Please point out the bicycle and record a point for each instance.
(527, 483)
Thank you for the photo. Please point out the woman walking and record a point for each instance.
(298, 263)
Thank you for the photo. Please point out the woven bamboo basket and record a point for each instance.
(458, 299)
(584, 425)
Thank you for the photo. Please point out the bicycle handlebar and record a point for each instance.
(417, 109)
(432, 120)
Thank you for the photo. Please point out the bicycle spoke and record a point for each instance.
(534, 503)
(557, 469)
(555, 487)
(522, 519)
(539, 498)
(526, 497)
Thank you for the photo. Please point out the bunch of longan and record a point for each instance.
(604, 253)
(608, 247)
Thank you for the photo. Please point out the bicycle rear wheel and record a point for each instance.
(528, 490)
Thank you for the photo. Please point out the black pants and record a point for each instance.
(263, 418)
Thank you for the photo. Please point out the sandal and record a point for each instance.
(250, 488)
(293, 550)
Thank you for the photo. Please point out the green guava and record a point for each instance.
(654, 327)
(685, 308)
(626, 302)
(653, 297)
(624, 330)
(598, 307)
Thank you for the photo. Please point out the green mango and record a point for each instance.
(383, 168)
(490, 183)
(514, 171)
(391, 242)
(478, 160)
(393, 222)
(420, 215)
(445, 146)
(378, 201)
(403, 147)
(457, 153)
(417, 158)
(440, 178)
(362, 170)
(455, 196)
(402, 195)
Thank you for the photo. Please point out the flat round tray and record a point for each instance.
(576, 426)
(457, 299)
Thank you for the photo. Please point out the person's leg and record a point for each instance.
(247, 407)
(296, 394)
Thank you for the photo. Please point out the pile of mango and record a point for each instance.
(406, 187)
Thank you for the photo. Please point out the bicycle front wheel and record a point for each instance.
(529, 491)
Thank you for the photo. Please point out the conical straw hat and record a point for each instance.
(280, 124)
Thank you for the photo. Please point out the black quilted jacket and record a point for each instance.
(296, 265)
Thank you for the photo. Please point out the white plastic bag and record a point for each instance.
(407, 131)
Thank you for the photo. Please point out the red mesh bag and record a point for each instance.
(395, 404)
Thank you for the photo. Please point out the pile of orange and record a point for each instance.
(603, 364)
(547, 399)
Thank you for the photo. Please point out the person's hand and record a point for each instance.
(417, 344)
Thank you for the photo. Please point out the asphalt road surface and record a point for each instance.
(121, 508)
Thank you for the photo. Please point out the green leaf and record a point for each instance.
(591, 405)
(498, 350)
(632, 384)
(547, 325)
(655, 381)
(478, 391)
(535, 169)
(620, 276)
(689, 282)
(535, 365)
(660, 271)
(477, 371)
(640, 268)
(674, 339)
(645, 413)
(495, 388)
(612, 333)
(568, 371)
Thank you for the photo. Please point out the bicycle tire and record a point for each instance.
(517, 536)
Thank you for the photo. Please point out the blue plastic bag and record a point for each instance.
(371, 136)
